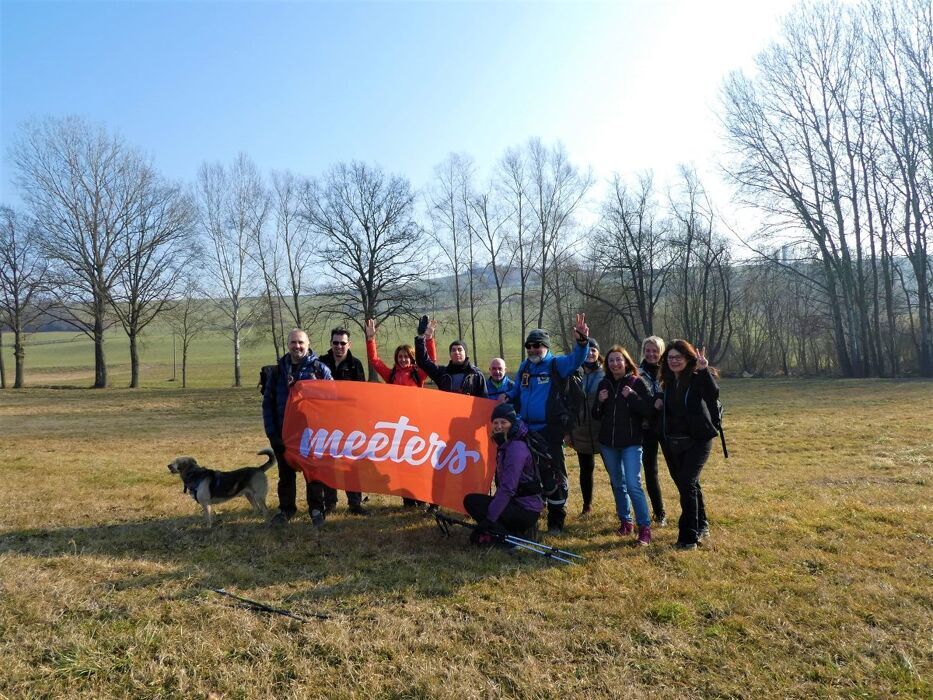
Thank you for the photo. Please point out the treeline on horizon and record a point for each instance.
(831, 139)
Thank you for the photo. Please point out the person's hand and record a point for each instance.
(503, 398)
(370, 328)
(702, 362)
(603, 395)
(658, 403)
(627, 391)
(432, 329)
(581, 329)
(422, 325)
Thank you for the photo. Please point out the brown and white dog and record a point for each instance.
(211, 486)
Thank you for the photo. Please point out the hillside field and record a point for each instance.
(815, 582)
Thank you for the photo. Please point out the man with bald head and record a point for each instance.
(499, 382)
(297, 365)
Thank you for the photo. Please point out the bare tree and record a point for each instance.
(511, 182)
(298, 244)
(156, 251)
(370, 242)
(231, 209)
(189, 317)
(83, 187)
(488, 224)
(23, 281)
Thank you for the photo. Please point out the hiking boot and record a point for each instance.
(317, 517)
(644, 536)
(280, 519)
(431, 509)
(330, 508)
(555, 530)
(357, 509)
(703, 534)
(625, 528)
(660, 520)
(685, 546)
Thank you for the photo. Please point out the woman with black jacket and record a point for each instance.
(689, 385)
(623, 401)
(651, 349)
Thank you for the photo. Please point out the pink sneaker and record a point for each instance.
(644, 536)
(625, 529)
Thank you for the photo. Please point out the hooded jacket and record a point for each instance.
(514, 466)
(396, 375)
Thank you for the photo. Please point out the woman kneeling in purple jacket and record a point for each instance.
(517, 504)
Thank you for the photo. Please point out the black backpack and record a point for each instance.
(267, 374)
(545, 481)
(565, 399)
(715, 413)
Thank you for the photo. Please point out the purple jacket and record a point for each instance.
(514, 466)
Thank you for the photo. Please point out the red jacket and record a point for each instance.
(410, 377)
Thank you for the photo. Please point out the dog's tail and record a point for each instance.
(269, 462)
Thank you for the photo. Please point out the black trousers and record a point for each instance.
(587, 462)
(649, 461)
(320, 496)
(685, 470)
(514, 518)
(557, 502)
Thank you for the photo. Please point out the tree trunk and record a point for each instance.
(19, 355)
(134, 362)
(2, 365)
(100, 362)
(236, 354)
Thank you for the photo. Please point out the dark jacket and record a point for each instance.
(652, 376)
(474, 383)
(514, 467)
(585, 435)
(701, 388)
(275, 396)
(350, 369)
(622, 417)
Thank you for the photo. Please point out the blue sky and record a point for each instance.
(625, 85)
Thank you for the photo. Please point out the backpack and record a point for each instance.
(267, 374)
(565, 399)
(715, 413)
(545, 481)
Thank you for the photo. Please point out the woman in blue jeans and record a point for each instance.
(623, 401)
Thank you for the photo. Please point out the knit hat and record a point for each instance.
(593, 344)
(460, 343)
(504, 410)
(539, 335)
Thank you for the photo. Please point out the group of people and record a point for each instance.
(628, 411)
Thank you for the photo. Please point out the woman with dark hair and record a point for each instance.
(584, 438)
(689, 386)
(651, 349)
(623, 401)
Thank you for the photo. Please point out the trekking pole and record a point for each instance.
(262, 607)
(444, 522)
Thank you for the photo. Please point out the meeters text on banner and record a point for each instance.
(428, 445)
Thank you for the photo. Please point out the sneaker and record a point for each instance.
(625, 528)
(704, 533)
(317, 517)
(660, 520)
(644, 536)
(280, 519)
(357, 509)
(685, 546)
(431, 509)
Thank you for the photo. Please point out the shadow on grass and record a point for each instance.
(392, 555)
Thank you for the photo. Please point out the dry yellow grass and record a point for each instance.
(816, 582)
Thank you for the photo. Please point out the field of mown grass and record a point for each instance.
(815, 583)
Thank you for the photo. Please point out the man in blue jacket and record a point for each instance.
(298, 364)
(543, 411)
(498, 382)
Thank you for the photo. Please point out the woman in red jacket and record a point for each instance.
(404, 372)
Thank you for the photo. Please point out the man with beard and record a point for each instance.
(543, 410)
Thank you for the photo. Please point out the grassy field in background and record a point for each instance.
(815, 583)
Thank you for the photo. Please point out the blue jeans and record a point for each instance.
(624, 467)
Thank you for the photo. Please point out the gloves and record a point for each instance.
(423, 325)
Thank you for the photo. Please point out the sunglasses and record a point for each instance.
(341, 343)
(533, 346)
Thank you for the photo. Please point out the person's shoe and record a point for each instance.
(685, 546)
(703, 534)
(555, 530)
(317, 517)
(431, 509)
(644, 536)
(280, 519)
(329, 508)
(660, 520)
(625, 529)
(357, 509)
(587, 509)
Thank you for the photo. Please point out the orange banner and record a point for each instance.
(380, 438)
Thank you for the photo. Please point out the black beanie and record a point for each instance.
(539, 335)
(460, 343)
(504, 410)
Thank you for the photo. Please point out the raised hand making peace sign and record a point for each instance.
(702, 362)
(581, 329)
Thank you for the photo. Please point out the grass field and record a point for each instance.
(815, 583)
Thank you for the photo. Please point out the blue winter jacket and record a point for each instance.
(276, 394)
(532, 391)
(505, 386)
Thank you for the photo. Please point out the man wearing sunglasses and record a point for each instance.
(542, 410)
(344, 367)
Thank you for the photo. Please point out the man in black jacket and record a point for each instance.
(459, 376)
(344, 367)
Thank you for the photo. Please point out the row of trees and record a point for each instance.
(831, 139)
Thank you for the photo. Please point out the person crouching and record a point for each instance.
(517, 504)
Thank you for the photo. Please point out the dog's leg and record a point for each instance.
(208, 514)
